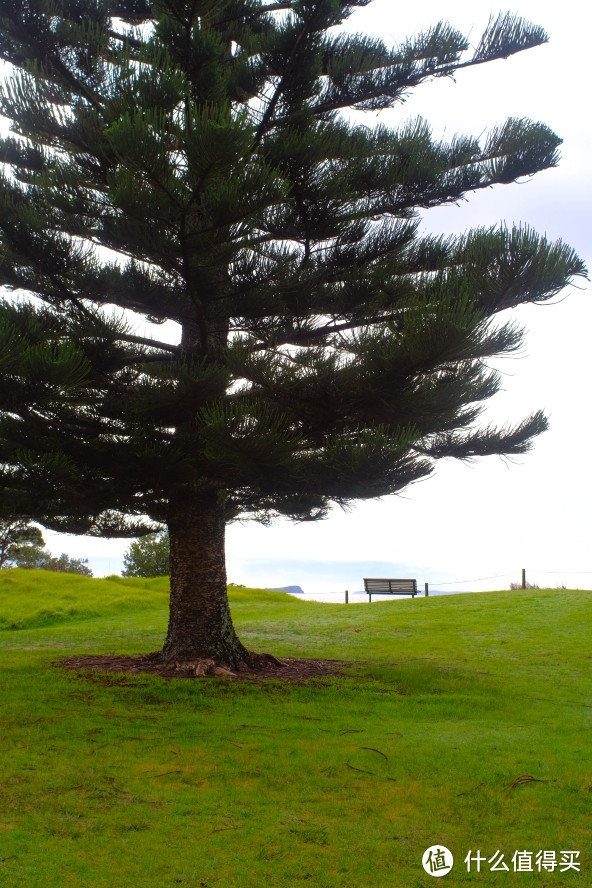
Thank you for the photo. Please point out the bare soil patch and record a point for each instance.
(289, 669)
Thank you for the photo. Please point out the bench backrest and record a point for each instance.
(392, 585)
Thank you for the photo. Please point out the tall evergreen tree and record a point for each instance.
(195, 162)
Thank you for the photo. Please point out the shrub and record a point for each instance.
(148, 556)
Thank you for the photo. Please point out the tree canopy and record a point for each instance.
(197, 163)
(17, 538)
(148, 556)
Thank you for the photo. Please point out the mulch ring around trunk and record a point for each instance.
(289, 669)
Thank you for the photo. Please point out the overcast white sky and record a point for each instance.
(489, 519)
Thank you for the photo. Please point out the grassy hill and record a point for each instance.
(461, 720)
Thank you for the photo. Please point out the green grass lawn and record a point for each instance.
(341, 782)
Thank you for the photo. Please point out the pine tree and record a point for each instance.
(195, 162)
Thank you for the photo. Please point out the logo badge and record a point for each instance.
(437, 860)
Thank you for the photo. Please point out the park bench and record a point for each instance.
(390, 587)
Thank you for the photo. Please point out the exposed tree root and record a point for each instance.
(258, 667)
(244, 661)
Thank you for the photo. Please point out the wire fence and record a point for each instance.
(434, 587)
(512, 574)
(473, 580)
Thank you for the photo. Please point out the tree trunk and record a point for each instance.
(200, 625)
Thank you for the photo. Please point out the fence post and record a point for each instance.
(346, 597)
(426, 590)
(524, 578)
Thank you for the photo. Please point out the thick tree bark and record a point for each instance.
(200, 625)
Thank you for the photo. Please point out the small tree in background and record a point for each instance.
(326, 351)
(148, 556)
(22, 545)
(19, 540)
(64, 564)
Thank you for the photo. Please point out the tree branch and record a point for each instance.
(151, 343)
